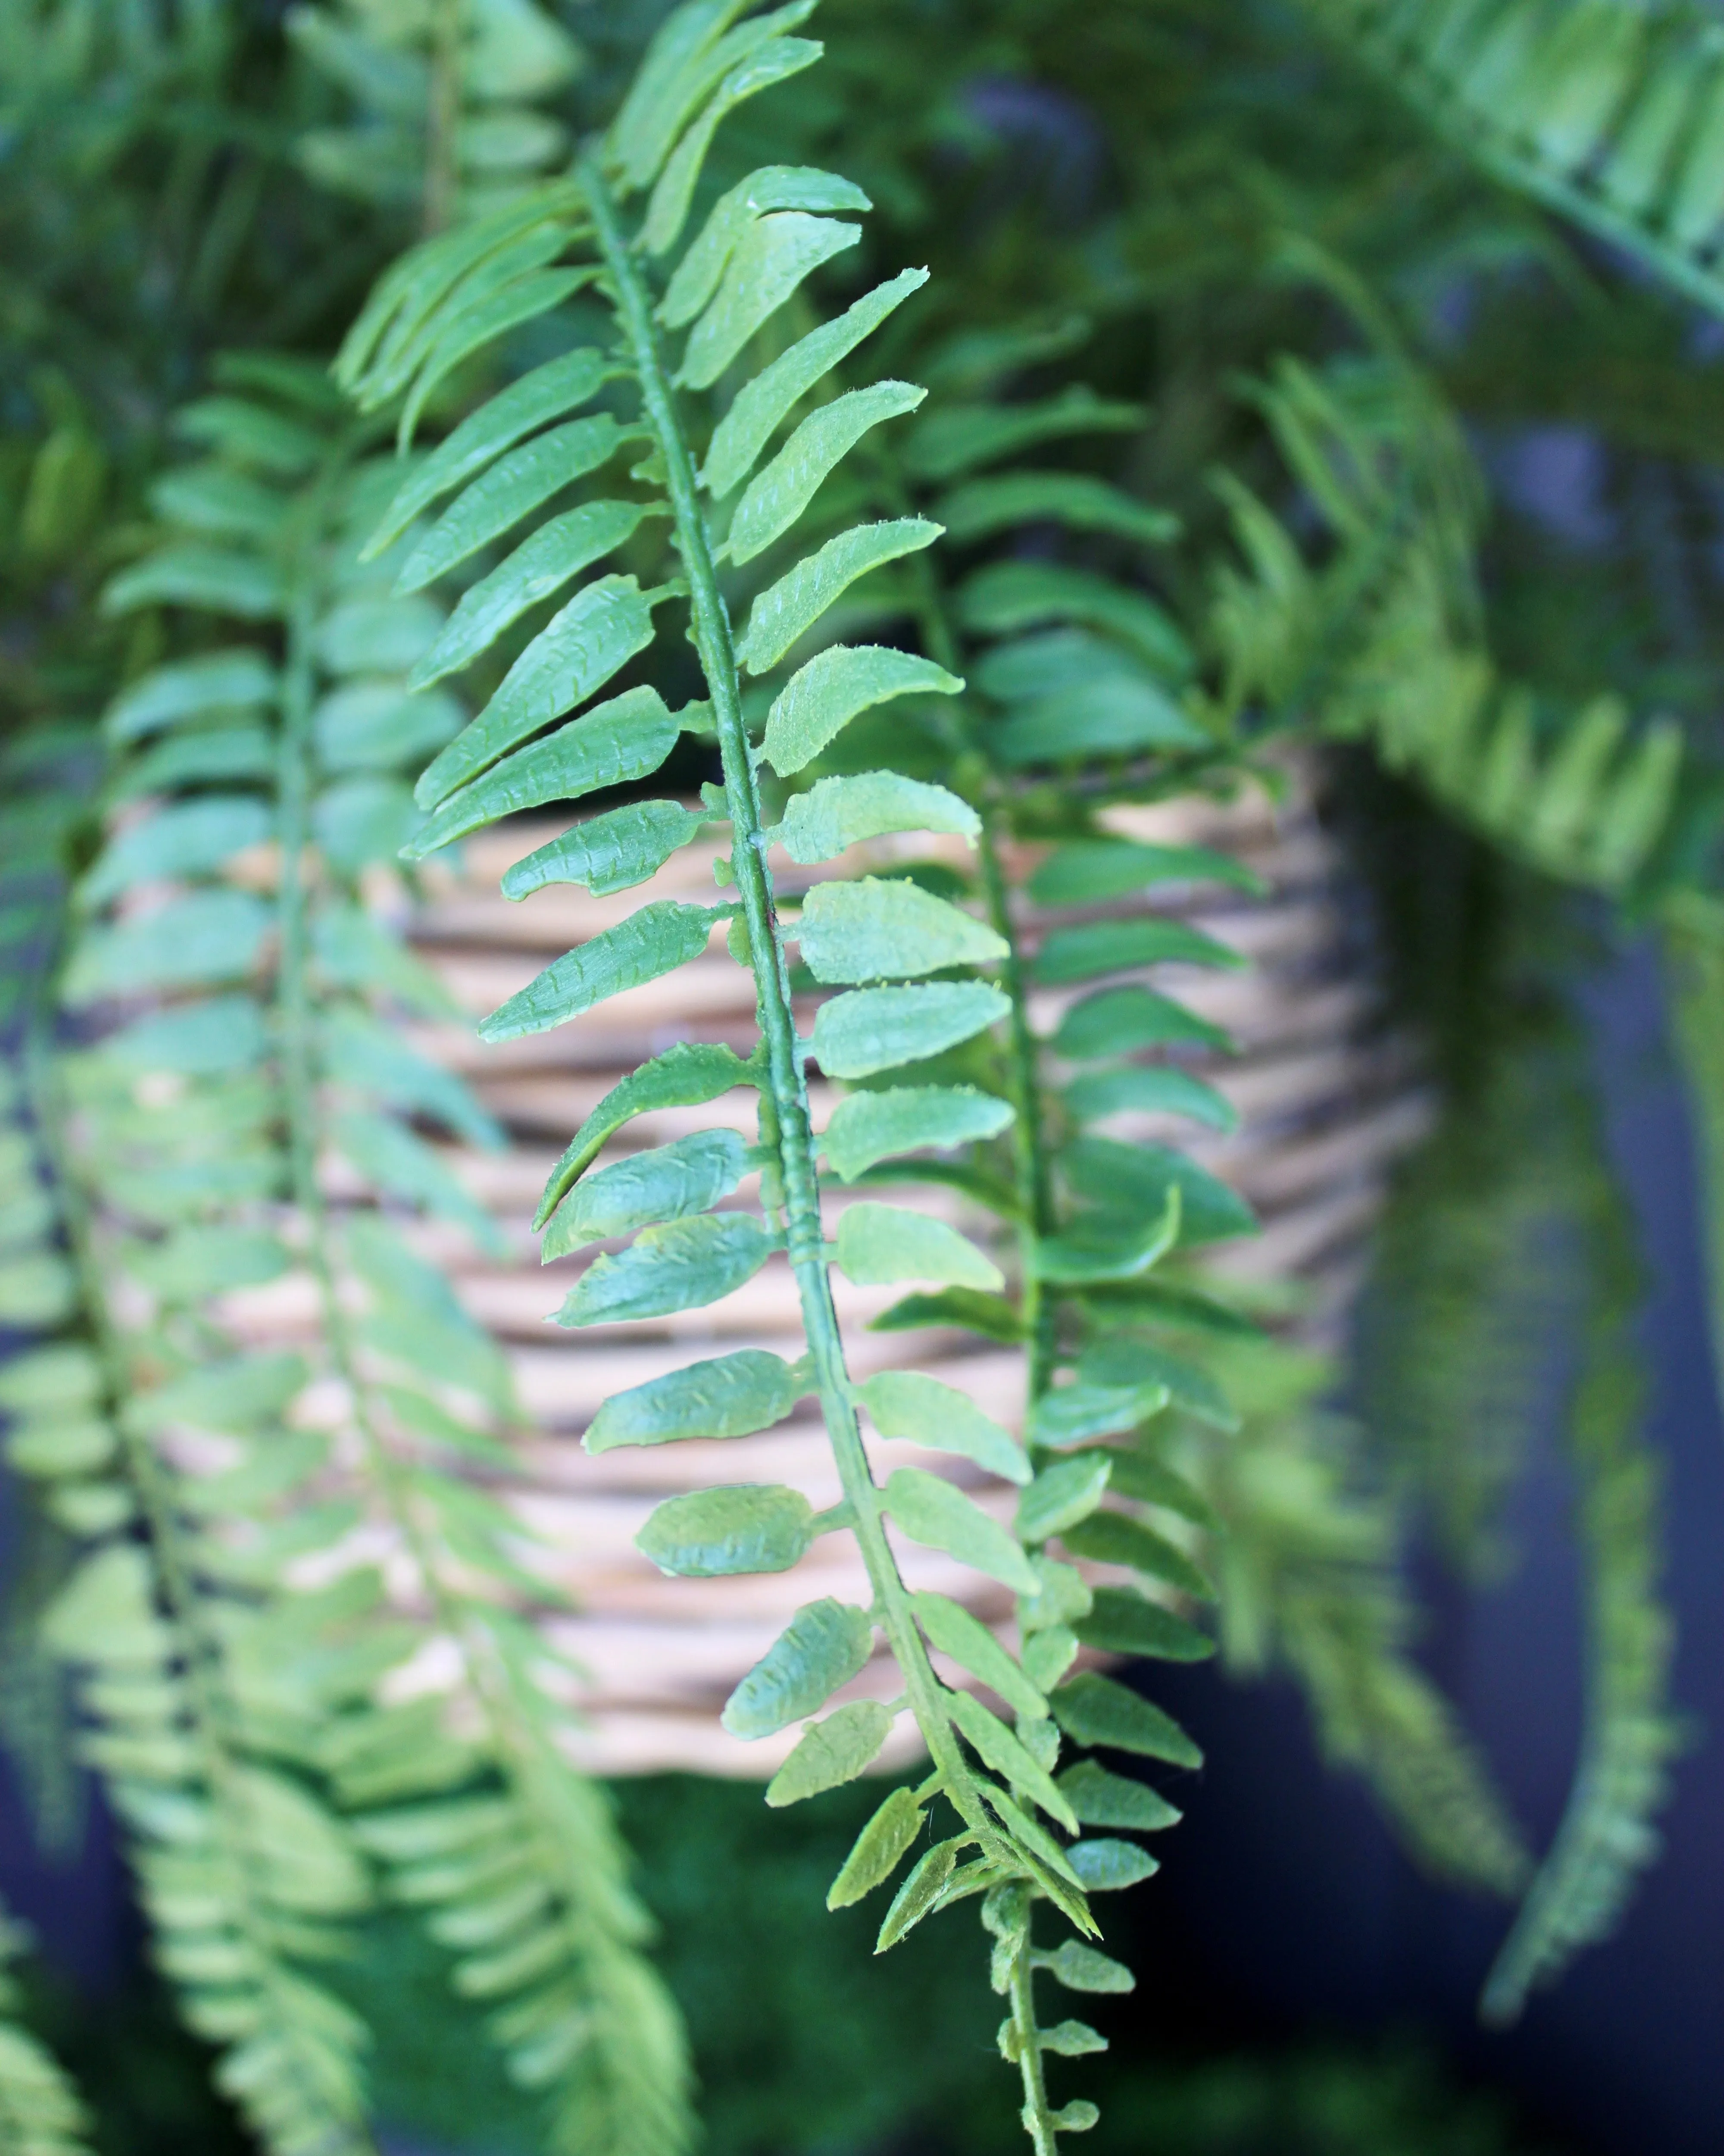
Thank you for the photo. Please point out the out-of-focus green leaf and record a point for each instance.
(876, 930)
(824, 697)
(878, 1245)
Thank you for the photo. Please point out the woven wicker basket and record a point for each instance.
(1326, 1103)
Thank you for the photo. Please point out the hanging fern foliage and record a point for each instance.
(1380, 644)
(1630, 1735)
(1610, 112)
(446, 121)
(1045, 692)
(41, 2113)
(226, 915)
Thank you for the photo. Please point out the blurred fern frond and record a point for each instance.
(1311, 1582)
(445, 92)
(1606, 1837)
(41, 2113)
(1381, 641)
(297, 1377)
(1610, 112)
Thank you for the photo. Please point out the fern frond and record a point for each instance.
(447, 121)
(41, 2113)
(1474, 1274)
(243, 1872)
(1694, 970)
(1310, 1580)
(238, 910)
(1607, 112)
(1582, 800)
(1380, 643)
(1029, 672)
(1606, 1837)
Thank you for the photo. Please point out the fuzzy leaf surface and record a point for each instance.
(824, 1646)
(682, 1266)
(1093, 1709)
(777, 497)
(878, 1850)
(1079, 1968)
(1106, 1866)
(687, 1074)
(771, 187)
(1007, 1754)
(651, 943)
(709, 1534)
(919, 1895)
(832, 1752)
(873, 1029)
(821, 698)
(537, 569)
(878, 930)
(749, 424)
(582, 645)
(840, 813)
(1100, 1799)
(609, 853)
(952, 1628)
(560, 386)
(771, 258)
(510, 489)
(1061, 1496)
(932, 1511)
(689, 1175)
(789, 609)
(878, 1245)
(904, 1404)
(867, 1127)
(730, 1396)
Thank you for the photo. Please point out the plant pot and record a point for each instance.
(1326, 1103)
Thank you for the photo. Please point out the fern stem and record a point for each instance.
(443, 117)
(804, 1234)
(1028, 1153)
(1035, 1217)
(1029, 1161)
(1037, 2121)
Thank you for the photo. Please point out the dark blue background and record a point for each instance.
(1288, 1895)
